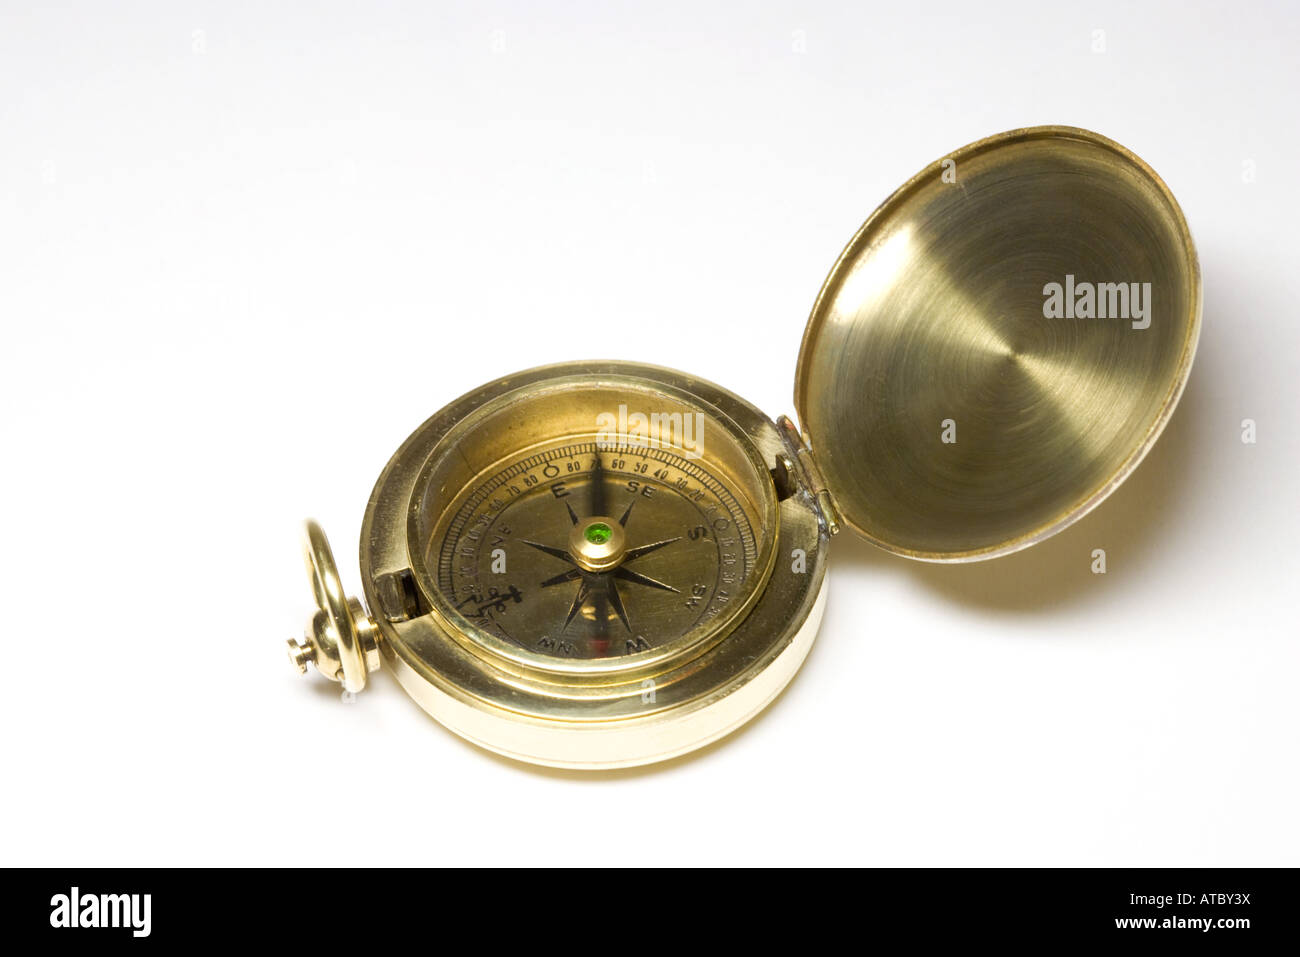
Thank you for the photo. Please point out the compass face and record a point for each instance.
(578, 551)
(593, 530)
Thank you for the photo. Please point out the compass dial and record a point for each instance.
(595, 531)
(582, 551)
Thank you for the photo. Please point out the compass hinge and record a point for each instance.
(811, 473)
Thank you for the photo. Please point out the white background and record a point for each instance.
(245, 249)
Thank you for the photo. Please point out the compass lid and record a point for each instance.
(1000, 344)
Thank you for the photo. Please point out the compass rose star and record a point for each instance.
(601, 587)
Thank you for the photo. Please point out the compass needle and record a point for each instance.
(597, 501)
(617, 603)
(578, 601)
(628, 575)
(559, 553)
(627, 512)
(647, 549)
(568, 576)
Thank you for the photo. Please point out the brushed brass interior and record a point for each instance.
(931, 326)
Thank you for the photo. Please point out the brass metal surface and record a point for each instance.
(932, 322)
(341, 638)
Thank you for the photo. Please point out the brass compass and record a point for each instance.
(604, 564)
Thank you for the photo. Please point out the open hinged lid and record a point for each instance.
(1000, 344)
